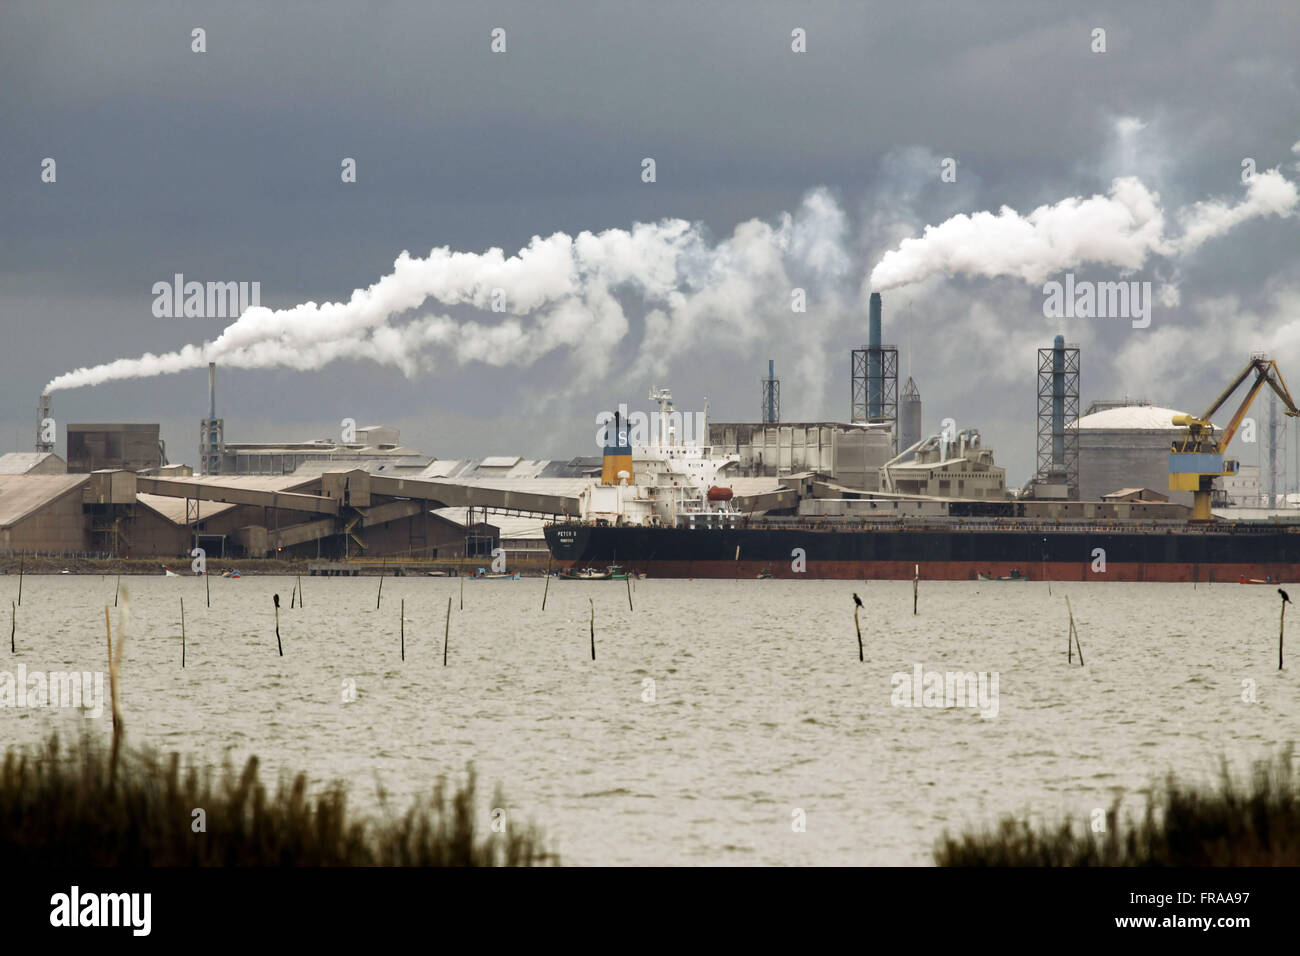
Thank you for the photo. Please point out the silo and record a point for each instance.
(909, 417)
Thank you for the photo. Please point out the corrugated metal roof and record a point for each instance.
(173, 509)
(21, 462)
(1132, 417)
(21, 495)
(254, 482)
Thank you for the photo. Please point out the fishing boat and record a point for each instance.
(232, 573)
(1015, 575)
(482, 574)
(1268, 580)
(612, 573)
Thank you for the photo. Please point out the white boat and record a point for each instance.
(169, 573)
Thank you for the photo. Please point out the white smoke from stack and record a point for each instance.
(560, 292)
(1121, 229)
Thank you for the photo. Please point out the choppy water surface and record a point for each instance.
(760, 704)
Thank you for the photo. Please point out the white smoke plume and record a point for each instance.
(1122, 229)
(559, 292)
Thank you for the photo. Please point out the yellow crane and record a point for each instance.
(1196, 457)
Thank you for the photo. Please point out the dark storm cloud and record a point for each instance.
(225, 166)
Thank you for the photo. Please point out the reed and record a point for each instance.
(1255, 822)
(73, 815)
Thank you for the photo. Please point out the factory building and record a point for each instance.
(943, 469)
(42, 514)
(377, 444)
(114, 446)
(1126, 446)
(851, 454)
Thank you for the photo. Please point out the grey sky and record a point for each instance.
(225, 166)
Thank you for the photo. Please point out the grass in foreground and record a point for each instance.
(1252, 824)
(58, 807)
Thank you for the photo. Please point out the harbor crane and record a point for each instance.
(1196, 457)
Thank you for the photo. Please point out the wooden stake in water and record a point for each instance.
(292, 595)
(182, 633)
(380, 595)
(916, 586)
(276, 599)
(300, 604)
(593, 628)
(548, 582)
(1072, 638)
(13, 625)
(403, 628)
(1281, 630)
(446, 634)
(629, 590)
(21, 561)
(462, 592)
(207, 585)
(117, 589)
(857, 604)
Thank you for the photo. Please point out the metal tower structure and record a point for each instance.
(771, 395)
(874, 377)
(1274, 471)
(1058, 406)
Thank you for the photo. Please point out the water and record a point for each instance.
(761, 707)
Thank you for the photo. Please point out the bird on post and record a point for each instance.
(1286, 598)
(857, 600)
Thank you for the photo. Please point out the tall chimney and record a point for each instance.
(1058, 405)
(212, 390)
(43, 415)
(875, 363)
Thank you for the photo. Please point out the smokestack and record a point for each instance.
(42, 416)
(212, 390)
(1058, 405)
(771, 397)
(875, 363)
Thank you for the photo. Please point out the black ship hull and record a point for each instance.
(1222, 552)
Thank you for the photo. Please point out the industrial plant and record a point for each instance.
(335, 502)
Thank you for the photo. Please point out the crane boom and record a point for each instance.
(1196, 457)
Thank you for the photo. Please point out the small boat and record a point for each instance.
(765, 574)
(612, 573)
(169, 573)
(482, 574)
(1015, 575)
(1268, 580)
(232, 573)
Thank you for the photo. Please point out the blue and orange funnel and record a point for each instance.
(618, 453)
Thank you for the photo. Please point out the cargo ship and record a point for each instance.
(790, 548)
(670, 508)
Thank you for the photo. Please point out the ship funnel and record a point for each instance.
(616, 465)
